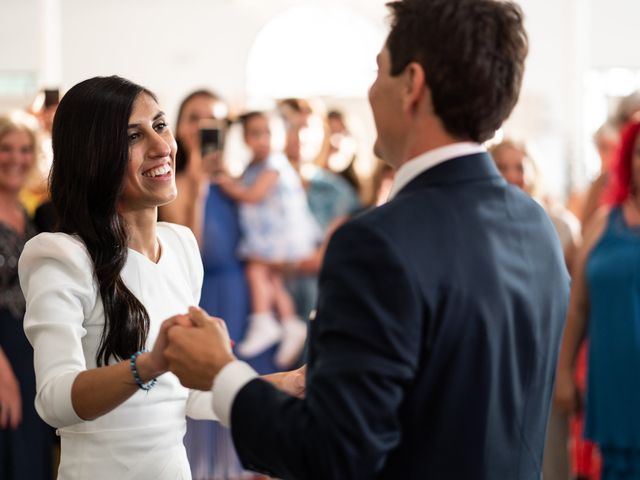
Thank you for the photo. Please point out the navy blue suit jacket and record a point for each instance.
(433, 352)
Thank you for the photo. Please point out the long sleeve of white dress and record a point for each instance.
(56, 277)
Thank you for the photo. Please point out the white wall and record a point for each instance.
(547, 114)
(21, 55)
(614, 34)
(20, 24)
(173, 47)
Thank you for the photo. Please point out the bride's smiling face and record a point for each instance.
(150, 179)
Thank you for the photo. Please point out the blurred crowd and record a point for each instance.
(262, 236)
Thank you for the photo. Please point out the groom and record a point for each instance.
(439, 317)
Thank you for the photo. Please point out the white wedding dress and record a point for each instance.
(142, 438)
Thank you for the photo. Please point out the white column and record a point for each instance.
(50, 43)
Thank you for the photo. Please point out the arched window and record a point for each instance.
(314, 51)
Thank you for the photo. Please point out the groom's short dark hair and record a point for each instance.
(472, 52)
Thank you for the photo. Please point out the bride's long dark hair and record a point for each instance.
(90, 158)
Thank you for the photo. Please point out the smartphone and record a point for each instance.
(211, 136)
(51, 97)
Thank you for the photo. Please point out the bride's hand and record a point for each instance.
(158, 364)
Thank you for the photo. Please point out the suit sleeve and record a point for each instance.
(363, 356)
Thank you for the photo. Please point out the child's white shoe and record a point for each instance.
(263, 332)
(294, 334)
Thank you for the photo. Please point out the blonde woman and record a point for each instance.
(26, 443)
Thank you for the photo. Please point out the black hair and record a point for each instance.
(90, 158)
(245, 118)
(472, 53)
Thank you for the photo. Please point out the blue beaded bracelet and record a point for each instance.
(136, 376)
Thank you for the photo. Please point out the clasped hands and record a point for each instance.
(196, 346)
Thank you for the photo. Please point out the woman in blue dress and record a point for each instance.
(213, 217)
(605, 299)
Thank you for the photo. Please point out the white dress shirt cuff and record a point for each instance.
(226, 386)
(200, 405)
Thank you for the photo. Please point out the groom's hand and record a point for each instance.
(196, 354)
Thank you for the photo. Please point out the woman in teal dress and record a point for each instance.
(605, 300)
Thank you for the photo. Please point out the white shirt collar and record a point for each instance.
(430, 159)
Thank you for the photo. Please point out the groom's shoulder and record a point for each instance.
(381, 224)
